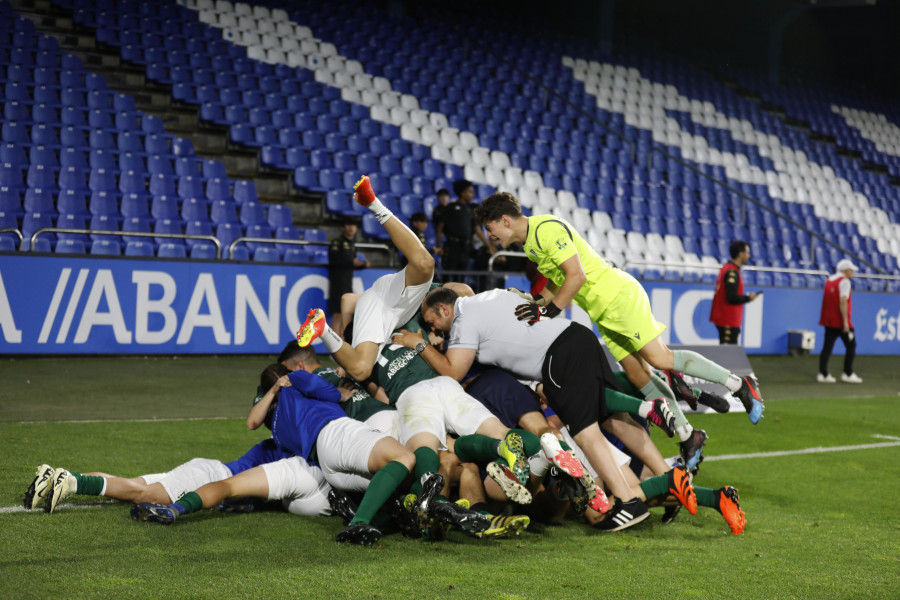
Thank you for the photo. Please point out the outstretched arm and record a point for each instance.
(455, 363)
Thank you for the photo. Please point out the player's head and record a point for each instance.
(349, 227)
(419, 221)
(497, 213)
(293, 357)
(437, 310)
(267, 379)
(463, 189)
(740, 251)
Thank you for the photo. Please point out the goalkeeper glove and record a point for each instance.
(532, 312)
(540, 300)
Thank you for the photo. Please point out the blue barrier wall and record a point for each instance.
(65, 305)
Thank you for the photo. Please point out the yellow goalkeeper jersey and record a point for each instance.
(551, 241)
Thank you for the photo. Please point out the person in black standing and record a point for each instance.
(437, 218)
(341, 262)
(458, 227)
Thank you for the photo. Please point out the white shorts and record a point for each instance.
(343, 447)
(385, 421)
(439, 406)
(300, 486)
(622, 459)
(191, 475)
(385, 306)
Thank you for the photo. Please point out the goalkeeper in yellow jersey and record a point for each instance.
(616, 302)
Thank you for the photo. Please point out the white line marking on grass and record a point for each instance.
(40, 510)
(808, 450)
(161, 420)
(886, 437)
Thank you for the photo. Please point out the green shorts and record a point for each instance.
(627, 323)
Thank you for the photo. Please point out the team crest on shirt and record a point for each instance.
(637, 336)
(533, 253)
(561, 244)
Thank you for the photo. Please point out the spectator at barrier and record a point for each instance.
(342, 260)
(729, 299)
(437, 218)
(836, 318)
(459, 226)
(418, 223)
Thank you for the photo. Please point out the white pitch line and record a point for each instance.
(895, 442)
(40, 510)
(162, 420)
(806, 450)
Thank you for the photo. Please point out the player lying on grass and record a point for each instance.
(305, 419)
(725, 499)
(51, 486)
(430, 407)
(557, 352)
(615, 301)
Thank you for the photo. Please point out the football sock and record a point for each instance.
(539, 464)
(331, 339)
(705, 496)
(619, 402)
(381, 212)
(189, 503)
(89, 485)
(655, 486)
(695, 365)
(476, 448)
(682, 427)
(734, 383)
(427, 461)
(565, 445)
(382, 485)
(625, 384)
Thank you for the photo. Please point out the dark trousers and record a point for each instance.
(832, 334)
(456, 255)
(728, 335)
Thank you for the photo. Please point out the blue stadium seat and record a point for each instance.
(168, 249)
(139, 247)
(106, 247)
(70, 247)
(266, 254)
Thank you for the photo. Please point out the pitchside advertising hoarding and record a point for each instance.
(57, 305)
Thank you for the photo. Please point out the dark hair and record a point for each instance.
(292, 351)
(737, 247)
(441, 295)
(267, 379)
(419, 216)
(348, 331)
(270, 375)
(460, 186)
(443, 192)
(497, 205)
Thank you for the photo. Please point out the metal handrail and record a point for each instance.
(500, 253)
(180, 236)
(233, 245)
(15, 231)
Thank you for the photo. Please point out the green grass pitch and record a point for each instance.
(820, 525)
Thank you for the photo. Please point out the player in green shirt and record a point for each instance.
(616, 303)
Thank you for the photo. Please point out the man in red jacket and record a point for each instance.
(728, 302)
(836, 309)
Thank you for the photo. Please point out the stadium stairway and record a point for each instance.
(181, 119)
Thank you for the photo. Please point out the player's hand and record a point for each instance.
(407, 338)
(532, 312)
(283, 381)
